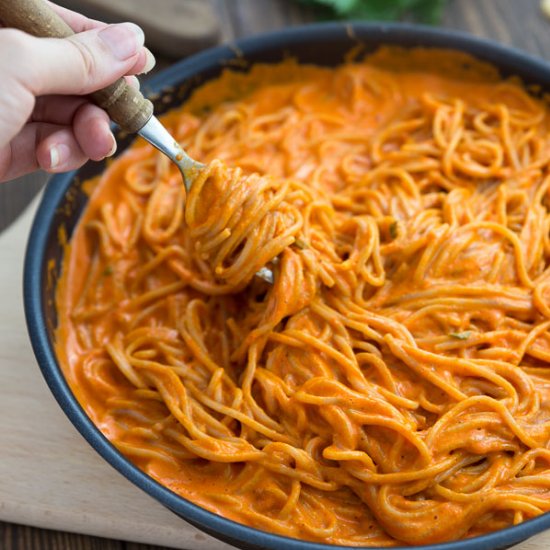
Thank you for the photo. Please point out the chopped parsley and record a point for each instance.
(393, 230)
(461, 335)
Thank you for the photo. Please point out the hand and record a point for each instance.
(44, 120)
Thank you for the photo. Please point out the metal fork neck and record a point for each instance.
(157, 135)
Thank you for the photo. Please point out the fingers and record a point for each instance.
(31, 149)
(145, 63)
(58, 148)
(132, 81)
(61, 109)
(92, 132)
(57, 109)
(90, 124)
(77, 65)
(77, 21)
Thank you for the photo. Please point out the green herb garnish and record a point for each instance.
(300, 244)
(393, 230)
(426, 11)
(461, 335)
(108, 270)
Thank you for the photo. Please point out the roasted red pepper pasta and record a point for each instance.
(392, 386)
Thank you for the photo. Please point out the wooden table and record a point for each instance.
(515, 22)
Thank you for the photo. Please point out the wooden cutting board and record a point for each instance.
(49, 476)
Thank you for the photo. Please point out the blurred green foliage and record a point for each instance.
(424, 11)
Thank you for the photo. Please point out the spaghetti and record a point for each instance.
(393, 385)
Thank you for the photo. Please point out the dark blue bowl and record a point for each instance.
(64, 200)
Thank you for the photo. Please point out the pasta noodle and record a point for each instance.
(392, 386)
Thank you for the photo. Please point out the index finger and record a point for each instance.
(77, 21)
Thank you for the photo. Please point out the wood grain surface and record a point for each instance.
(514, 22)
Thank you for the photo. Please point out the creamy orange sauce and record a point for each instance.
(393, 385)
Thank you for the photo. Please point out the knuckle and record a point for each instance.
(86, 61)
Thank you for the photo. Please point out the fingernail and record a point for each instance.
(150, 62)
(59, 154)
(124, 40)
(113, 148)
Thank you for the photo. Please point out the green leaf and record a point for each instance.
(393, 230)
(377, 10)
(108, 270)
(427, 11)
(461, 335)
(342, 6)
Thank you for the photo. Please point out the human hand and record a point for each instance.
(44, 120)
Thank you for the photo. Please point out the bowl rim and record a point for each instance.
(54, 194)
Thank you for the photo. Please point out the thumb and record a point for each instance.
(78, 65)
